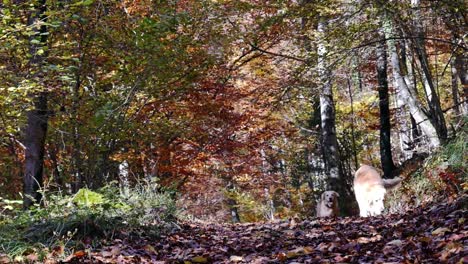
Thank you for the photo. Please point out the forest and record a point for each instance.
(207, 131)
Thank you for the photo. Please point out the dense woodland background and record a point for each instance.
(241, 110)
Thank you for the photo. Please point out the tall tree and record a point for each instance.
(36, 128)
(436, 114)
(385, 126)
(403, 89)
(327, 114)
(453, 13)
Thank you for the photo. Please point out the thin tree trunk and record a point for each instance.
(385, 126)
(455, 21)
(76, 149)
(56, 171)
(415, 134)
(268, 199)
(232, 204)
(461, 64)
(35, 136)
(270, 205)
(353, 137)
(36, 127)
(455, 96)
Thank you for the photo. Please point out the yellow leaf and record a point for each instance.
(199, 259)
(150, 249)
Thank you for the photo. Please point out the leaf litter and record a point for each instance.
(435, 234)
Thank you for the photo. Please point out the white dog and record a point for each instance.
(328, 204)
(370, 190)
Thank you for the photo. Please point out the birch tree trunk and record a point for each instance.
(36, 127)
(335, 177)
(436, 114)
(403, 90)
(327, 114)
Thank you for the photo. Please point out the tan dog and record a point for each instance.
(328, 204)
(370, 190)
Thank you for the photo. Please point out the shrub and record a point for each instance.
(79, 221)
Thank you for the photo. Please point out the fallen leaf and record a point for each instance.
(4, 260)
(292, 254)
(440, 231)
(281, 256)
(199, 259)
(425, 239)
(395, 242)
(150, 249)
(32, 257)
(236, 258)
(392, 247)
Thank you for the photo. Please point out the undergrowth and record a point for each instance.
(68, 223)
(443, 175)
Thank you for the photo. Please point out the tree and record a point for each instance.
(436, 115)
(36, 128)
(327, 110)
(385, 126)
(404, 92)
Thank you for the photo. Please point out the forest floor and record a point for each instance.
(436, 233)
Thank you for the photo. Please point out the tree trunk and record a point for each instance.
(232, 204)
(56, 171)
(455, 21)
(455, 96)
(35, 135)
(385, 126)
(406, 144)
(415, 134)
(404, 93)
(270, 214)
(461, 64)
(353, 133)
(436, 114)
(327, 114)
(331, 156)
(76, 140)
(36, 127)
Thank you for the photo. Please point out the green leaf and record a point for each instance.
(87, 197)
(84, 3)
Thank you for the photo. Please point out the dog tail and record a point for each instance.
(391, 183)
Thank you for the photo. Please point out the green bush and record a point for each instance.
(82, 220)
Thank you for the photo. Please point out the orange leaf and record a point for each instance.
(79, 254)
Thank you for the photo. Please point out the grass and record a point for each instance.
(68, 223)
(443, 175)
